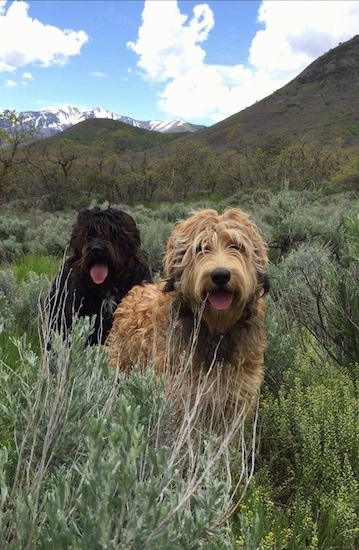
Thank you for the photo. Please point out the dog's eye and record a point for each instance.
(178, 258)
(238, 247)
(202, 248)
(92, 234)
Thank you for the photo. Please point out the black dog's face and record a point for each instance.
(97, 260)
(104, 244)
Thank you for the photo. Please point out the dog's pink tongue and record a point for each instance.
(98, 273)
(220, 299)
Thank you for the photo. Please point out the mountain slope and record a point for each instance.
(53, 120)
(119, 136)
(321, 103)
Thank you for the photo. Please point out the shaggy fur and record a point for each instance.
(105, 263)
(203, 324)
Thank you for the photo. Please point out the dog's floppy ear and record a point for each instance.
(83, 215)
(248, 229)
(264, 282)
(126, 229)
(170, 285)
(75, 237)
(82, 218)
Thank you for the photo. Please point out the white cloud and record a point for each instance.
(28, 76)
(4, 67)
(25, 40)
(170, 55)
(98, 74)
(10, 84)
(166, 45)
(298, 32)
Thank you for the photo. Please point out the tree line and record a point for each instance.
(66, 173)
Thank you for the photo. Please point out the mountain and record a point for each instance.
(321, 103)
(119, 135)
(53, 120)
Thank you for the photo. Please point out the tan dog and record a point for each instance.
(203, 324)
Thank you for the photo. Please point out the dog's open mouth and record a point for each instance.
(98, 273)
(220, 299)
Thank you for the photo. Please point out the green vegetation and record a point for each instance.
(90, 458)
(114, 135)
(99, 161)
(86, 467)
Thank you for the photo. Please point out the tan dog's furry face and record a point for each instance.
(202, 325)
(216, 263)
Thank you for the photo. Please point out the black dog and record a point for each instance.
(105, 263)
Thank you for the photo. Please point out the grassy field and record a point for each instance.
(91, 459)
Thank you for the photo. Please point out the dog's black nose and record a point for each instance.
(220, 276)
(97, 250)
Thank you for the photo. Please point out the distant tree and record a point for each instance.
(347, 176)
(15, 134)
(121, 141)
(191, 168)
(56, 172)
(306, 163)
(65, 153)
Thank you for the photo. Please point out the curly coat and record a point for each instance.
(104, 264)
(203, 324)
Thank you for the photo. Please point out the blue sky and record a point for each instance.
(162, 59)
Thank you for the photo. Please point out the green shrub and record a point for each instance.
(52, 236)
(172, 213)
(8, 288)
(20, 302)
(89, 459)
(322, 296)
(262, 524)
(12, 226)
(10, 250)
(283, 342)
(310, 447)
(290, 224)
(13, 241)
(154, 236)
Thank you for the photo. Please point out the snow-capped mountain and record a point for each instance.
(53, 120)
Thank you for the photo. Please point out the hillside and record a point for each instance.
(110, 160)
(322, 103)
(115, 132)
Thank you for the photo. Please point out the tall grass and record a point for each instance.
(23, 287)
(34, 263)
(93, 458)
